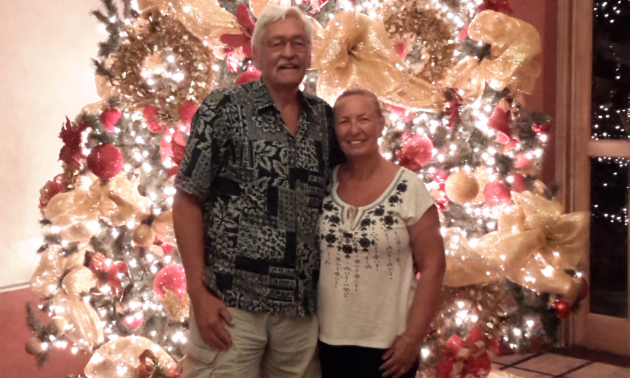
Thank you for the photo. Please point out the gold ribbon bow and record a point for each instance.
(514, 43)
(357, 52)
(120, 357)
(116, 202)
(82, 318)
(533, 246)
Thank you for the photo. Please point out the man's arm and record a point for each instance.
(209, 311)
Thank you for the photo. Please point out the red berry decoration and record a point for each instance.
(115, 273)
(109, 118)
(170, 277)
(496, 193)
(415, 152)
(561, 308)
(135, 320)
(98, 263)
(519, 182)
(105, 161)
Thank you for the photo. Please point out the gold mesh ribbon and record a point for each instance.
(120, 357)
(357, 52)
(54, 264)
(514, 43)
(533, 246)
(81, 316)
(117, 202)
(257, 6)
(84, 321)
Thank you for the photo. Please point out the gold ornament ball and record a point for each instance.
(461, 187)
(79, 280)
(143, 236)
(57, 325)
(34, 346)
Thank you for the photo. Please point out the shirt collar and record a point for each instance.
(265, 100)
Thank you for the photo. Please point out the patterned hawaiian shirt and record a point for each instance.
(262, 189)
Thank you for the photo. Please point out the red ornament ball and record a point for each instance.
(105, 161)
(519, 182)
(496, 193)
(561, 308)
(170, 277)
(415, 152)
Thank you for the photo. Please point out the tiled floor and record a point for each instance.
(560, 365)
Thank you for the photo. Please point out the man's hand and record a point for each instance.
(400, 357)
(211, 315)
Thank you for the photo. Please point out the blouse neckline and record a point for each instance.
(373, 203)
(355, 213)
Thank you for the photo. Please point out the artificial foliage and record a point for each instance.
(452, 77)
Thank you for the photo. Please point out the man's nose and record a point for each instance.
(288, 50)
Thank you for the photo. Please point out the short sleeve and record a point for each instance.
(416, 199)
(203, 154)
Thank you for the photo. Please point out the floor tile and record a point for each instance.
(553, 364)
(599, 370)
(511, 359)
(526, 373)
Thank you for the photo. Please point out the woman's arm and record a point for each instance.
(427, 247)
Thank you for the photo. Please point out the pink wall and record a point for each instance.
(45, 74)
(543, 15)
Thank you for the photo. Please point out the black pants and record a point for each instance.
(349, 361)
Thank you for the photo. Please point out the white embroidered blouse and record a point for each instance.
(367, 279)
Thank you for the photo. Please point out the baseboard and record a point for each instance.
(17, 286)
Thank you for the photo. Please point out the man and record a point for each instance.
(246, 212)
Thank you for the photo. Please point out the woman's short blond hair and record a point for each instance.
(361, 92)
(273, 13)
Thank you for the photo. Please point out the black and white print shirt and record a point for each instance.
(262, 189)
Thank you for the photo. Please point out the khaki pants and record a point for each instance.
(263, 345)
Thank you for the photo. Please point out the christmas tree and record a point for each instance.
(452, 76)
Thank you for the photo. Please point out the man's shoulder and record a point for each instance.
(222, 96)
(315, 101)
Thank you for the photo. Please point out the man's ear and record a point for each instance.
(256, 57)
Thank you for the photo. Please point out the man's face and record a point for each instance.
(284, 54)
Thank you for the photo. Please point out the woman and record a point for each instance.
(379, 227)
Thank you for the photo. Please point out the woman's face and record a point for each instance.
(358, 125)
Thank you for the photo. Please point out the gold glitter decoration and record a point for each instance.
(408, 24)
(188, 75)
(176, 309)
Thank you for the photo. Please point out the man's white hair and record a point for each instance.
(273, 13)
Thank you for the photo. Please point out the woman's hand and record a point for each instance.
(401, 356)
